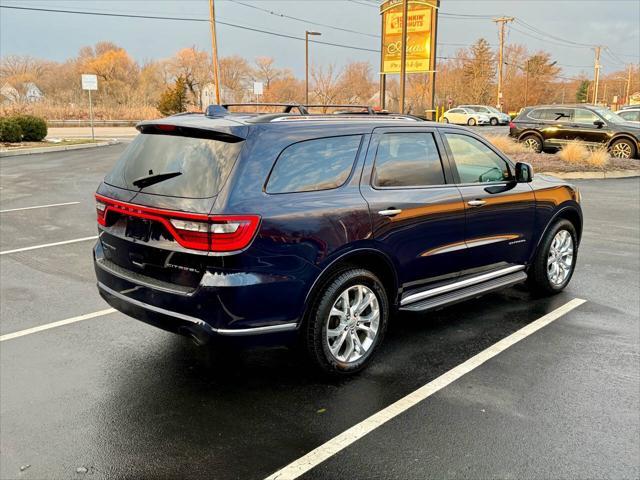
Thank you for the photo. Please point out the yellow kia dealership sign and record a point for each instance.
(419, 24)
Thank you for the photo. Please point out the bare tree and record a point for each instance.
(265, 71)
(235, 73)
(326, 84)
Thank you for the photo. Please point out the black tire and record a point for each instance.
(471, 122)
(494, 121)
(539, 281)
(314, 328)
(533, 141)
(622, 148)
(446, 120)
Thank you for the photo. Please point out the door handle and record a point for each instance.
(390, 212)
(476, 203)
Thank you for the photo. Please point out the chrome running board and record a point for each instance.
(416, 297)
(467, 292)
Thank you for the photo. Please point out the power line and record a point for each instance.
(312, 22)
(541, 32)
(511, 27)
(191, 19)
(615, 57)
(202, 20)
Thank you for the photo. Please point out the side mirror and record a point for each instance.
(524, 172)
(598, 123)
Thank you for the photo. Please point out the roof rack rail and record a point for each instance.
(369, 110)
(287, 107)
(332, 117)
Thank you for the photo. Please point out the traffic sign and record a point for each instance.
(89, 82)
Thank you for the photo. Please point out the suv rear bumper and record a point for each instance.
(198, 313)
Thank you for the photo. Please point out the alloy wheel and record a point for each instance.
(352, 326)
(531, 143)
(560, 259)
(621, 150)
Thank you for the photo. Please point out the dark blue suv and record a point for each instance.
(320, 227)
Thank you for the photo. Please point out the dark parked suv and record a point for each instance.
(552, 126)
(320, 227)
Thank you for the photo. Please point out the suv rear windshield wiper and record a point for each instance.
(152, 179)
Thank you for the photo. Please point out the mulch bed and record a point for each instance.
(546, 162)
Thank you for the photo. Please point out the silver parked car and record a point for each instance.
(496, 117)
(630, 114)
(465, 116)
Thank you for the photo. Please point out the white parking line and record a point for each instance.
(59, 323)
(346, 438)
(39, 206)
(35, 247)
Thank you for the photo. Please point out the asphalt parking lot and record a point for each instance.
(110, 397)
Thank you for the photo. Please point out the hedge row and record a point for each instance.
(21, 128)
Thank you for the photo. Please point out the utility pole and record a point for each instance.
(502, 21)
(526, 81)
(306, 64)
(596, 75)
(628, 91)
(214, 50)
(403, 54)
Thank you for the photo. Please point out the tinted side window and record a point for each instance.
(556, 114)
(536, 114)
(476, 163)
(318, 164)
(407, 160)
(582, 115)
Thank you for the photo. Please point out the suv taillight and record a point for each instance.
(213, 233)
(512, 125)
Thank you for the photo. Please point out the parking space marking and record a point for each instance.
(349, 436)
(35, 247)
(59, 323)
(39, 206)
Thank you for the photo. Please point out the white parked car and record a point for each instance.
(465, 116)
(496, 117)
(630, 114)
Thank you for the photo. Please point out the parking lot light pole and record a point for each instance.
(306, 64)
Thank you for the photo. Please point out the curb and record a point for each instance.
(30, 151)
(594, 175)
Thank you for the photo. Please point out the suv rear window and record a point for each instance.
(311, 165)
(204, 165)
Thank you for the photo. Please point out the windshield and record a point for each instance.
(493, 110)
(609, 116)
(186, 167)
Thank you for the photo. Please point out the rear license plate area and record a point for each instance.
(138, 228)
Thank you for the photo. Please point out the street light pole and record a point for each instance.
(306, 64)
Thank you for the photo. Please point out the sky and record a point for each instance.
(58, 36)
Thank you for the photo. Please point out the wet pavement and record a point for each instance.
(110, 397)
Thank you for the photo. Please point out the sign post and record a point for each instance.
(90, 82)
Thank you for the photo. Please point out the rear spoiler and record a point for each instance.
(186, 131)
